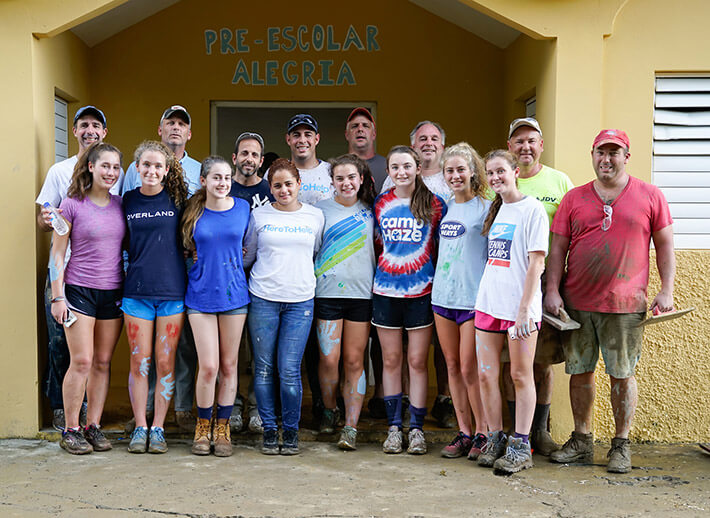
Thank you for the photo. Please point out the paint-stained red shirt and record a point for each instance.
(607, 271)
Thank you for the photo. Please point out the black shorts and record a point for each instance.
(92, 302)
(397, 313)
(355, 310)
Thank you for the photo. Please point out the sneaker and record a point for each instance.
(619, 456)
(518, 456)
(348, 439)
(541, 442)
(493, 450)
(290, 442)
(578, 448)
(329, 420)
(236, 423)
(270, 446)
(477, 445)
(376, 406)
(255, 424)
(443, 412)
(58, 419)
(82, 415)
(186, 421)
(459, 447)
(222, 438)
(203, 435)
(74, 442)
(393, 443)
(417, 442)
(96, 438)
(139, 440)
(157, 440)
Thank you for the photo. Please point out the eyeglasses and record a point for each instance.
(606, 222)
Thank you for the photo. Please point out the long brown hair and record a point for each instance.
(174, 180)
(422, 197)
(366, 193)
(497, 201)
(82, 179)
(473, 160)
(196, 204)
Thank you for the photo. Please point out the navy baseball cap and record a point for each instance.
(302, 119)
(90, 110)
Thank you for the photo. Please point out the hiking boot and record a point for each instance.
(443, 412)
(459, 447)
(236, 423)
(417, 442)
(185, 420)
(203, 434)
(270, 446)
(393, 443)
(376, 406)
(477, 445)
(518, 456)
(541, 442)
(58, 419)
(619, 456)
(578, 448)
(255, 424)
(290, 444)
(348, 439)
(222, 438)
(157, 440)
(82, 415)
(96, 438)
(493, 450)
(74, 442)
(139, 440)
(329, 420)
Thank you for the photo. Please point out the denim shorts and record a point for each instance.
(355, 310)
(237, 311)
(149, 309)
(92, 302)
(457, 315)
(396, 313)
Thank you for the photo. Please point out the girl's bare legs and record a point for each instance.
(140, 344)
(489, 346)
(206, 332)
(451, 340)
(80, 341)
(355, 337)
(230, 336)
(469, 372)
(417, 357)
(167, 335)
(391, 343)
(106, 333)
(329, 345)
(522, 355)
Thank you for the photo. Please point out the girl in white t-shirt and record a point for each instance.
(509, 301)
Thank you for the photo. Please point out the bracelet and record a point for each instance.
(57, 299)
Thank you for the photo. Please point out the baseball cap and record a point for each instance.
(90, 110)
(360, 111)
(525, 121)
(249, 135)
(302, 119)
(176, 108)
(612, 136)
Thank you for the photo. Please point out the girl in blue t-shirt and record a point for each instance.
(345, 267)
(154, 289)
(213, 226)
(407, 218)
(460, 263)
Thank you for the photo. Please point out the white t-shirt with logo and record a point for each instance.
(434, 182)
(281, 245)
(519, 228)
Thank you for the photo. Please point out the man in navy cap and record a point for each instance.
(302, 138)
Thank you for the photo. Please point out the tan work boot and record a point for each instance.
(541, 442)
(201, 442)
(222, 438)
(578, 448)
(619, 456)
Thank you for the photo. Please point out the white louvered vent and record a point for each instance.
(681, 155)
(61, 130)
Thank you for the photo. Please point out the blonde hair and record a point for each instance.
(473, 161)
(174, 180)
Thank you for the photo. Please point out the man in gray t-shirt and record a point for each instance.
(360, 132)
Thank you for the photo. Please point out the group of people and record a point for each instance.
(312, 258)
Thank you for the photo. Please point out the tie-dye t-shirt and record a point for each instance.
(345, 265)
(406, 265)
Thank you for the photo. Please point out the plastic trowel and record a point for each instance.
(562, 322)
(657, 317)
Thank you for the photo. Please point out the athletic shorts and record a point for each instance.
(149, 309)
(92, 302)
(355, 310)
(237, 311)
(549, 347)
(616, 334)
(457, 315)
(397, 313)
(485, 322)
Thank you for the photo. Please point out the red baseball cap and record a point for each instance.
(360, 111)
(612, 136)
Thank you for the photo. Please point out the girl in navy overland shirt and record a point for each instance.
(154, 287)
(214, 225)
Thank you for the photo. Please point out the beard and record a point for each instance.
(244, 172)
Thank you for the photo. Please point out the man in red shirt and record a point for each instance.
(603, 229)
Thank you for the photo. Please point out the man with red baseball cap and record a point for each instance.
(604, 229)
(360, 133)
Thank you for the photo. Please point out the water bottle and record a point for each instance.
(59, 224)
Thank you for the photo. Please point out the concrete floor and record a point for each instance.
(37, 478)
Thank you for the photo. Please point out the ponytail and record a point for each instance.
(497, 201)
(492, 213)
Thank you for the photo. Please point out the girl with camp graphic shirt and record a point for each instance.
(154, 290)
(89, 290)
(214, 225)
(509, 301)
(407, 218)
(460, 263)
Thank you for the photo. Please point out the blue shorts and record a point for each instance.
(236, 311)
(149, 309)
